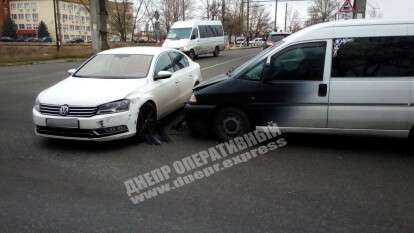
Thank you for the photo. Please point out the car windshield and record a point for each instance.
(253, 60)
(121, 66)
(179, 33)
(276, 38)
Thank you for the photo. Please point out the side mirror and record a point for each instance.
(71, 71)
(193, 37)
(267, 73)
(163, 74)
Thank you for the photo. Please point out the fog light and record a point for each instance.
(112, 130)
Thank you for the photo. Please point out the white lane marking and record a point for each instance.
(229, 61)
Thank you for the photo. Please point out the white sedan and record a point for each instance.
(116, 94)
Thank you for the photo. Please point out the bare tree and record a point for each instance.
(322, 11)
(212, 9)
(294, 21)
(120, 17)
(259, 21)
(172, 11)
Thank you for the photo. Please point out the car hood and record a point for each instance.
(175, 44)
(212, 81)
(90, 91)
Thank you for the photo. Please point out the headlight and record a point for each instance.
(37, 104)
(193, 99)
(113, 107)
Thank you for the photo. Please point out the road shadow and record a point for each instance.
(166, 127)
(356, 144)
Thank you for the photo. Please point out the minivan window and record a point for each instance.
(373, 57)
(179, 33)
(195, 33)
(164, 63)
(210, 30)
(301, 62)
(116, 66)
(276, 37)
(253, 61)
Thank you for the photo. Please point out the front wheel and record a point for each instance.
(192, 54)
(147, 119)
(230, 122)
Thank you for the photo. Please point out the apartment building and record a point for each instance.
(73, 16)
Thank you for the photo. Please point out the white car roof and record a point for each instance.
(193, 23)
(146, 50)
(352, 28)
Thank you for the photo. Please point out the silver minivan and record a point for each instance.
(354, 76)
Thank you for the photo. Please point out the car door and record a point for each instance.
(295, 93)
(371, 82)
(184, 75)
(195, 40)
(166, 90)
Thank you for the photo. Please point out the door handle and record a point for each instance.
(323, 89)
(177, 81)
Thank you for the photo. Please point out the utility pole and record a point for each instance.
(99, 17)
(223, 10)
(183, 10)
(286, 15)
(275, 25)
(56, 17)
(359, 8)
(247, 23)
(241, 16)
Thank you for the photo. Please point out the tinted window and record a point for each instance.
(304, 62)
(210, 31)
(255, 73)
(164, 63)
(276, 38)
(195, 33)
(179, 61)
(373, 57)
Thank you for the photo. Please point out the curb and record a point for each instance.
(51, 61)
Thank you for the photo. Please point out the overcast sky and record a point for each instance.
(389, 9)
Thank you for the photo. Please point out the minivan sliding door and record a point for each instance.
(371, 81)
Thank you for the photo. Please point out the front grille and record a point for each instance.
(82, 133)
(74, 111)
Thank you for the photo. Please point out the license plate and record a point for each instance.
(62, 123)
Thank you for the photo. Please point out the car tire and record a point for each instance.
(230, 122)
(147, 119)
(192, 54)
(216, 52)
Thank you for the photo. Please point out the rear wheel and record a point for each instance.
(147, 119)
(216, 52)
(230, 122)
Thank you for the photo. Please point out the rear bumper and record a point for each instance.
(199, 117)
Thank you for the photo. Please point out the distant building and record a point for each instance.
(74, 18)
(4, 12)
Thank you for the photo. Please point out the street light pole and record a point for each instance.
(183, 10)
(286, 15)
(55, 14)
(275, 25)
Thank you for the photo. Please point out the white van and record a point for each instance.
(347, 77)
(195, 37)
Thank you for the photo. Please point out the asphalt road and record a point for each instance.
(314, 184)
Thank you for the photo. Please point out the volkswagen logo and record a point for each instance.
(64, 110)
